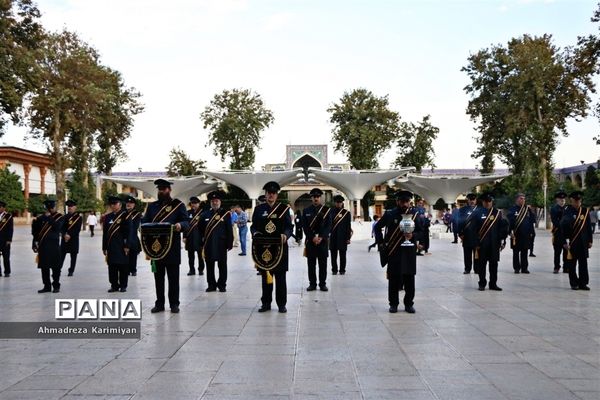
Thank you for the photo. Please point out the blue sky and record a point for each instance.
(301, 56)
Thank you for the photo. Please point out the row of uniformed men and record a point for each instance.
(484, 231)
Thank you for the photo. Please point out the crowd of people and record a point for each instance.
(209, 231)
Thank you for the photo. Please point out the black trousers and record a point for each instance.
(312, 270)
(584, 278)
(91, 230)
(426, 242)
(334, 264)
(118, 275)
(279, 279)
(55, 277)
(73, 260)
(557, 251)
(221, 283)
(172, 272)
(5, 260)
(395, 283)
(468, 254)
(484, 259)
(192, 259)
(520, 260)
(133, 256)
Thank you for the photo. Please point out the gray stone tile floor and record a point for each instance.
(535, 340)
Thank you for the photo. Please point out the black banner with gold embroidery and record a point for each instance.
(268, 251)
(157, 238)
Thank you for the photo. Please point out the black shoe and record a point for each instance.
(55, 290)
(555, 270)
(264, 308)
(410, 309)
(242, 254)
(466, 272)
(156, 309)
(517, 272)
(134, 274)
(191, 273)
(481, 288)
(323, 288)
(342, 272)
(175, 310)
(200, 272)
(222, 290)
(455, 241)
(258, 273)
(525, 271)
(6, 275)
(584, 288)
(211, 289)
(393, 309)
(574, 287)
(282, 310)
(496, 288)
(70, 273)
(122, 290)
(368, 249)
(44, 290)
(532, 255)
(112, 290)
(310, 288)
(333, 272)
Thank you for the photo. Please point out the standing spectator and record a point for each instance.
(447, 218)
(298, 227)
(6, 235)
(242, 224)
(598, 217)
(593, 219)
(455, 217)
(234, 216)
(375, 219)
(92, 221)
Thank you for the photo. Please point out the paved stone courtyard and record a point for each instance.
(535, 340)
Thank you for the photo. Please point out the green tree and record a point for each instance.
(415, 144)
(181, 164)
(591, 196)
(235, 120)
(20, 35)
(522, 96)
(11, 191)
(85, 196)
(590, 47)
(363, 127)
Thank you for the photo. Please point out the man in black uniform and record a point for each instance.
(316, 222)
(577, 238)
(116, 241)
(556, 214)
(468, 235)
(135, 218)
(216, 232)
(341, 232)
(522, 226)
(46, 243)
(272, 220)
(6, 235)
(167, 210)
(70, 235)
(192, 237)
(398, 250)
(492, 230)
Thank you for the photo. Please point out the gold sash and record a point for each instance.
(338, 218)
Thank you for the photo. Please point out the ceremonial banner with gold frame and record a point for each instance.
(157, 238)
(267, 251)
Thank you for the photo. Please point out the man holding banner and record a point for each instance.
(271, 228)
(161, 228)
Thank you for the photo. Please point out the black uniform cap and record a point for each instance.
(471, 196)
(403, 195)
(194, 200)
(129, 199)
(487, 196)
(560, 195)
(162, 183)
(316, 192)
(272, 187)
(577, 195)
(215, 194)
(338, 198)
(70, 203)
(114, 199)
(49, 204)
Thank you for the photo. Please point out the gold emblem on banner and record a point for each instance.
(267, 256)
(156, 246)
(270, 228)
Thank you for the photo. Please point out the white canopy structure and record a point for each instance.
(252, 182)
(446, 187)
(182, 187)
(355, 183)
